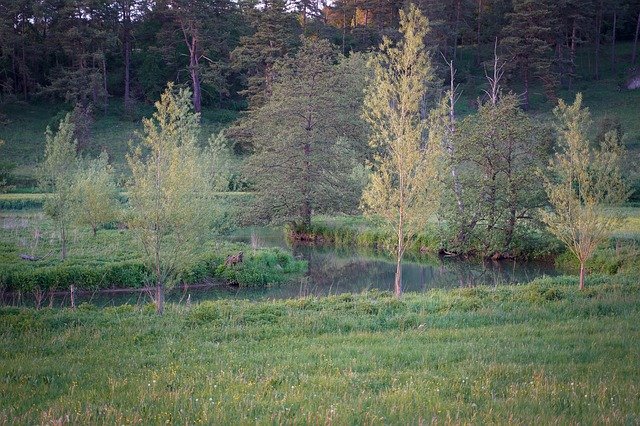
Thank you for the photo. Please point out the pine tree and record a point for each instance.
(275, 34)
(305, 136)
(528, 40)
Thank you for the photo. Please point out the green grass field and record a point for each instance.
(541, 353)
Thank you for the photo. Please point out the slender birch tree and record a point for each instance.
(57, 174)
(404, 189)
(582, 182)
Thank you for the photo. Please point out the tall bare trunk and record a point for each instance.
(400, 250)
(613, 43)
(457, 29)
(526, 88)
(597, 40)
(398, 281)
(159, 298)
(104, 81)
(582, 273)
(306, 203)
(572, 65)
(634, 54)
(478, 32)
(126, 35)
(191, 40)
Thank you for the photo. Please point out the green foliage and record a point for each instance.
(527, 39)
(95, 195)
(56, 175)
(171, 188)
(495, 154)
(581, 184)
(265, 267)
(305, 166)
(5, 173)
(404, 189)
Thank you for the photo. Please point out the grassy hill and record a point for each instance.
(25, 125)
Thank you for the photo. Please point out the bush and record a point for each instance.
(86, 277)
(264, 267)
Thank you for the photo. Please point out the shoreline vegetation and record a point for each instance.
(543, 350)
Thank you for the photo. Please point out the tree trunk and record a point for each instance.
(598, 37)
(572, 65)
(457, 29)
(197, 95)
(582, 273)
(191, 41)
(104, 79)
(400, 251)
(306, 203)
(635, 42)
(478, 32)
(126, 35)
(63, 239)
(24, 71)
(72, 296)
(398, 281)
(159, 298)
(613, 44)
(526, 89)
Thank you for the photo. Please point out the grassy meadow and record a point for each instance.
(539, 353)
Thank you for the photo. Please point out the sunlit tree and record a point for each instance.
(170, 192)
(56, 175)
(581, 184)
(403, 190)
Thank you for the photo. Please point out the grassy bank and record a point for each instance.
(539, 353)
(113, 258)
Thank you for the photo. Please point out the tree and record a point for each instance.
(528, 40)
(170, 191)
(306, 136)
(403, 189)
(581, 183)
(204, 28)
(497, 152)
(56, 175)
(274, 35)
(5, 172)
(95, 194)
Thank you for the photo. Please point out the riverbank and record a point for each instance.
(543, 351)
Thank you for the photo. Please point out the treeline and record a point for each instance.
(88, 51)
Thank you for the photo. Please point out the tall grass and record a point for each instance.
(540, 353)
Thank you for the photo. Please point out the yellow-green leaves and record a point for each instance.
(170, 192)
(581, 183)
(95, 195)
(56, 175)
(403, 189)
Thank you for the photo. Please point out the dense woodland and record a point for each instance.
(96, 51)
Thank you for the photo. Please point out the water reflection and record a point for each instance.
(331, 271)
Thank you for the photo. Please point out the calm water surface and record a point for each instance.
(332, 271)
